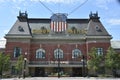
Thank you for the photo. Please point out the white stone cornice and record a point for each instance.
(60, 37)
(19, 36)
(99, 37)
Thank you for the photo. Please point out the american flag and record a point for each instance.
(58, 26)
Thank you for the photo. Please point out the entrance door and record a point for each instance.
(39, 72)
(77, 72)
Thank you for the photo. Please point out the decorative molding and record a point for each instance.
(43, 30)
(74, 30)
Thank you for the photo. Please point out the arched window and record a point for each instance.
(76, 53)
(17, 51)
(40, 53)
(58, 53)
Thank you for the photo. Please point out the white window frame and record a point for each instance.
(76, 53)
(58, 53)
(40, 54)
(100, 51)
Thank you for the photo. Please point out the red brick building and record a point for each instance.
(57, 45)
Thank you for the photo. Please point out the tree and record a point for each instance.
(112, 60)
(95, 60)
(19, 65)
(4, 63)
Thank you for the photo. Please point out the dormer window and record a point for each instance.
(43, 30)
(74, 30)
(98, 29)
(20, 29)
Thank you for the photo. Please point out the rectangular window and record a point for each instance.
(100, 51)
(17, 51)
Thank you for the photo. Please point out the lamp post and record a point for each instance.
(83, 66)
(24, 70)
(58, 64)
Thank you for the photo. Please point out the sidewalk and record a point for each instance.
(62, 78)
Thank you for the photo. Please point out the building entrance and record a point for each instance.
(77, 72)
(39, 72)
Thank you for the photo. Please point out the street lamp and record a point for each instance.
(58, 64)
(83, 66)
(24, 70)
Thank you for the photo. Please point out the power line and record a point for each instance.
(77, 8)
(59, 6)
(46, 7)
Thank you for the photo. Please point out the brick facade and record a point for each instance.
(29, 35)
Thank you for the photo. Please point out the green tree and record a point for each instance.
(112, 59)
(95, 60)
(19, 65)
(4, 63)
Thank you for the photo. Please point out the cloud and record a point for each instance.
(60, 1)
(103, 3)
(17, 1)
(18, 4)
(114, 21)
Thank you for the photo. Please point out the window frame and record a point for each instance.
(17, 52)
(40, 54)
(61, 54)
(76, 53)
(100, 51)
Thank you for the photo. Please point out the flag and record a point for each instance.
(58, 26)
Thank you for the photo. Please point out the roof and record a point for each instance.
(37, 27)
(115, 44)
(2, 43)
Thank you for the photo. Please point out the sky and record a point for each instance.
(108, 11)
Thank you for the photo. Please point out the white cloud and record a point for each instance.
(18, 4)
(114, 21)
(103, 3)
(11, 1)
(61, 1)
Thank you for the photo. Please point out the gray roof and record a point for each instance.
(33, 27)
(115, 44)
(20, 28)
(95, 27)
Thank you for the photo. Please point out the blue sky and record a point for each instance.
(108, 10)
